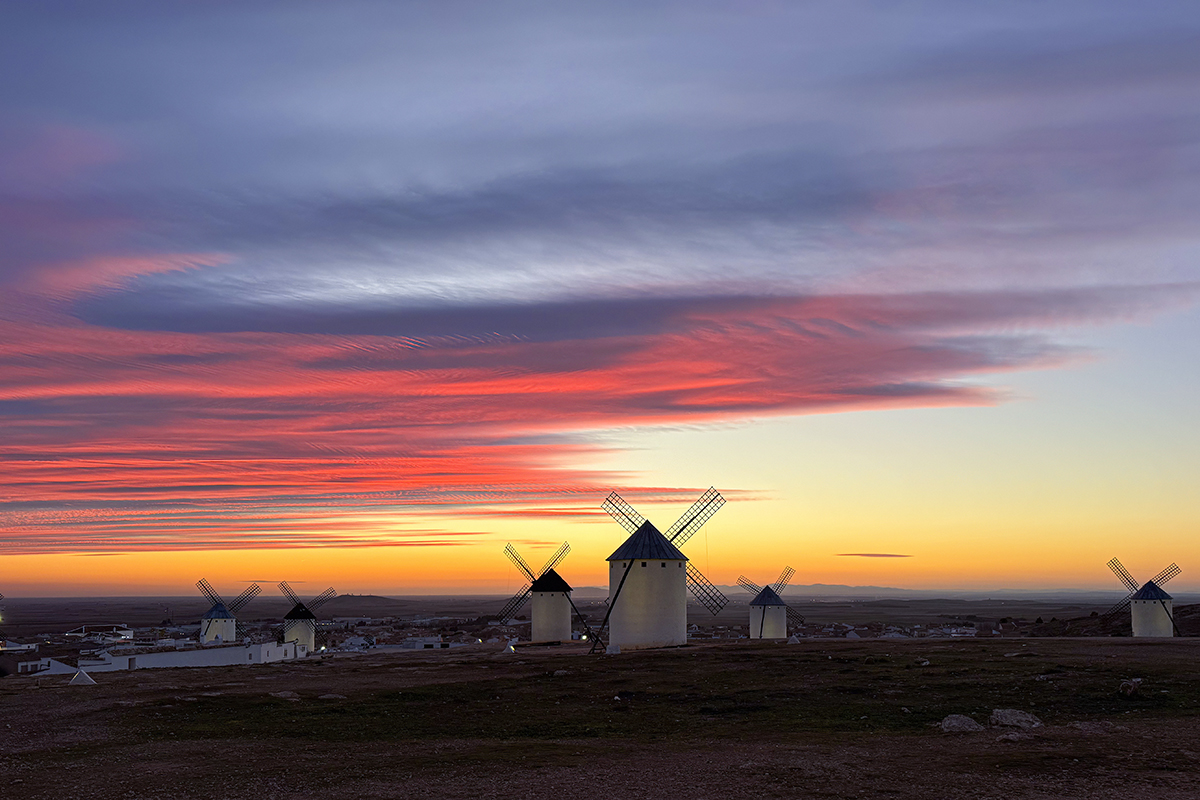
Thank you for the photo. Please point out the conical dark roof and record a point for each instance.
(646, 542)
(218, 611)
(550, 581)
(1151, 591)
(300, 611)
(767, 597)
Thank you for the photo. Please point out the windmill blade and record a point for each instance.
(207, 590)
(242, 631)
(555, 559)
(794, 616)
(1123, 575)
(1166, 574)
(239, 602)
(749, 585)
(694, 518)
(515, 557)
(321, 599)
(1118, 608)
(288, 593)
(622, 512)
(784, 577)
(705, 593)
(514, 605)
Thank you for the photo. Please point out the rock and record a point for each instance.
(81, 679)
(613, 650)
(1130, 687)
(1014, 718)
(922, 662)
(332, 697)
(286, 695)
(559, 673)
(959, 723)
(1012, 736)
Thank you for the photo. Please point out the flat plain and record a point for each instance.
(822, 718)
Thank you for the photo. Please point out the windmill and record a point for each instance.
(220, 624)
(551, 595)
(769, 615)
(653, 612)
(300, 624)
(1150, 606)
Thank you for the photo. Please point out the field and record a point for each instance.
(824, 718)
(31, 616)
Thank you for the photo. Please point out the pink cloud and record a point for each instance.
(134, 439)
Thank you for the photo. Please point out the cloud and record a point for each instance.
(298, 436)
(1056, 62)
(283, 276)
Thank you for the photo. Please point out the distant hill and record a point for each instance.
(366, 605)
(832, 591)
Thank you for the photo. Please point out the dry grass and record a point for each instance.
(822, 718)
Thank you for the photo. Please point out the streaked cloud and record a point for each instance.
(275, 286)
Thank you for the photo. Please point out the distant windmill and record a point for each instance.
(300, 624)
(769, 615)
(220, 624)
(551, 595)
(653, 608)
(1149, 605)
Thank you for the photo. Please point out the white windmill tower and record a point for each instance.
(650, 576)
(1150, 607)
(551, 596)
(769, 614)
(300, 624)
(219, 624)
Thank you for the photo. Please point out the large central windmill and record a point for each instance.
(648, 577)
(1150, 606)
(769, 614)
(551, 595)
(220, 624)
(300, 624)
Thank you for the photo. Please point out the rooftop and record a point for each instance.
(646, 542)
(550, 581)
(1151, 591)
(767, 597)
(218, 611)
(300, 611)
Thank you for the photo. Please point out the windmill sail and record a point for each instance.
(704, 591)
(518, 600)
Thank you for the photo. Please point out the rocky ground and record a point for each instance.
(819, 719)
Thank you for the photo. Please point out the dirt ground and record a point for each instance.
(819, 719)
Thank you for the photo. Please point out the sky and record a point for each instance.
(357, 293)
